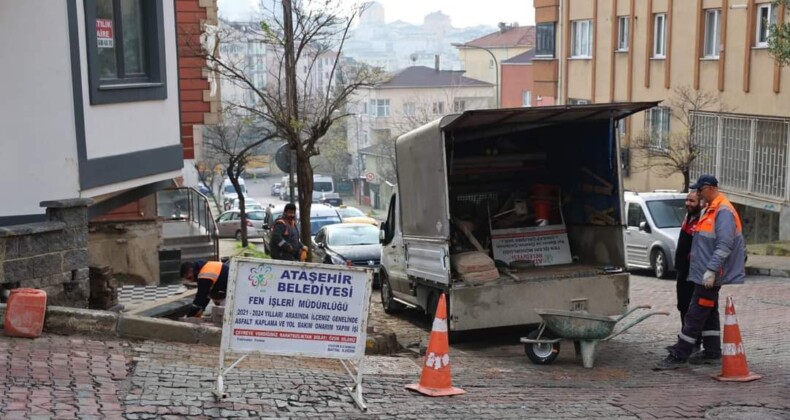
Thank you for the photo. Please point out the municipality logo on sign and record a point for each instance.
(260, 276)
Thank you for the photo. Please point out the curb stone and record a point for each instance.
(64, 320)
(771, 272)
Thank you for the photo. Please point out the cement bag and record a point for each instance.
(471, 262)
(480, 277)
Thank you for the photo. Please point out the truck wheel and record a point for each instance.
(391, 306)
(659, 262)
(541, 354)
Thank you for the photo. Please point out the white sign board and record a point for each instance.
(543, 245)
(296, 309)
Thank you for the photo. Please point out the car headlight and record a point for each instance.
(337, 260)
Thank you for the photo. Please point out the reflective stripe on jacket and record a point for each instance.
(210, 271)
(718, 244)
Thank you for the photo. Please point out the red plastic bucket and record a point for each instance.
(543, 208)
(24, 314)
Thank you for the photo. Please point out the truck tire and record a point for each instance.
(541, 354)
(659, 262)
(388, 302)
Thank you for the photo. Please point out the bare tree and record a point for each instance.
(209, 168)
(334, 158)
(233, 141)
(674, 151)
(305, 40)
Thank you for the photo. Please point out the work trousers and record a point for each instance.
(684, 289)
(701, 320)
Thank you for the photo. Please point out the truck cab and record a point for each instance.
(506, 211)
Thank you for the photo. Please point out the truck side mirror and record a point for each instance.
(644, 227)
(382, 234)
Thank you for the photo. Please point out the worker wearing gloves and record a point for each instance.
(285, 244)
(717, 258)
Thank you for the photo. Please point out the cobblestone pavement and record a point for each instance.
(62, 377)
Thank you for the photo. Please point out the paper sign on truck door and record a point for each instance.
(543, 245)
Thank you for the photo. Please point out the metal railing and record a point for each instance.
(748, 154)
(189, 205)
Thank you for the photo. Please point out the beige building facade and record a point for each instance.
(593, 51)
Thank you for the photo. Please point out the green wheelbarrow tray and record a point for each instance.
(584, 329)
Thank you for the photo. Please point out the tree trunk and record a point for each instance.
(686, 180)
(305, 176)
(234, 179)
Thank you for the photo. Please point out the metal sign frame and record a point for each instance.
(352, 366)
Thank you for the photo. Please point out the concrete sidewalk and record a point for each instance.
(768, 265)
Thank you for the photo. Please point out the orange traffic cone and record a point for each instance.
(435, 380)
(733, 356)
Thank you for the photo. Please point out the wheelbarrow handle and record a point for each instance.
(631, 311)
(636, 321)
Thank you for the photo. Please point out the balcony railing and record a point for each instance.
(747, 154)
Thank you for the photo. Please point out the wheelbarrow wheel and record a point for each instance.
(541, 354)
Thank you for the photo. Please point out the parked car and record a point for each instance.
(355, 215)
(229, 224)
(249, 204)
(276, 189)
(228, 192)
(320, 215)
(356, 244)
(653, 223)
(331, 198)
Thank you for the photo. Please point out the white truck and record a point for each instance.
(536, 191)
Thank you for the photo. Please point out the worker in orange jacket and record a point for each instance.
(212, 283)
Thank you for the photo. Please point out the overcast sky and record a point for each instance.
(462, 12)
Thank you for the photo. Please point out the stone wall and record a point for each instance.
(51, 255)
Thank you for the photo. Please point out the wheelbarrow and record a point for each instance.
(586, 330)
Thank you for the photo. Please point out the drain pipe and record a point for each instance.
(561, 49)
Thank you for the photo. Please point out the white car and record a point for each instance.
(653, 221)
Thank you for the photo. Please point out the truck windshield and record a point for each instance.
(322, 186)
(667, 213)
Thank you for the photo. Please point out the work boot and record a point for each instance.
(670, 362)
(671, 349)
(701, 357)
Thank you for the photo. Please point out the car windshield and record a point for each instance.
(667, 213)
(317, 223)
(353, 235)
(229, 189)
(351, 212)
(255, 215)
(322, 186)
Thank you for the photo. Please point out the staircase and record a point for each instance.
(188, 231)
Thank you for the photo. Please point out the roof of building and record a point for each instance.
(518, 36)
(523, 58)
(422, 76)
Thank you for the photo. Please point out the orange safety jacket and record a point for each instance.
(210, 271)
(718, 244)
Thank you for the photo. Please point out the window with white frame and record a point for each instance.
(379, 108)
(409, 109)
(712, 29)
(660, 35)
(526, 98)
(623, 27)
(459, 105)
(657, 126)
(438, 108)
(766, 17)
(581, 39)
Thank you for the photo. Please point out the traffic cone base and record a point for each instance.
(435, 380)
(733, 356)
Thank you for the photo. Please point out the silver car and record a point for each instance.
(653, 223)
(229, 224)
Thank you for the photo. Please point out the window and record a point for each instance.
(623, 26)
(712, 24)
(364, 108)
(438, 107)
(365, 139)
(126, 51)
(660, 35)
(573, 101)
(409, 109)
(635, 215)
(459, 105)
(379, 108)
(526, 98)
(766, 17)
(544, 43)
(657, 125)
(581, 39)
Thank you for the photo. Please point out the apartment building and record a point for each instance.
(593, 51)
(410, 98)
